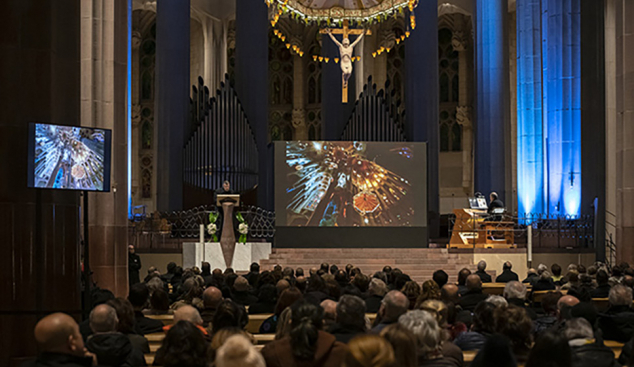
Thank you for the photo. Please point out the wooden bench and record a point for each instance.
(166, 319)
(261, 339)
(539, 295)
(616, 347)
(601, 304)
(497, 289)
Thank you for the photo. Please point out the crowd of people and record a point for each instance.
(319, 318)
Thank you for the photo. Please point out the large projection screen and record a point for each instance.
(350, 194)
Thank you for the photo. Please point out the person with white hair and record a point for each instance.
(498, 301)
(585, 352)
(486, 278)
(428, 339)
(376, 291)
(515, 294)
(545, 282)
(239, 351)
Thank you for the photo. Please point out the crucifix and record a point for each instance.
(345, 52)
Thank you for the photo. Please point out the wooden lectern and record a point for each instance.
(228, 237)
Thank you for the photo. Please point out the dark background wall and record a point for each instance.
(39, 252)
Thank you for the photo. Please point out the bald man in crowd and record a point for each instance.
(474, 294)
(60, 343)
(394, 304)
(212, 297)
(450, 293)
(330, 312)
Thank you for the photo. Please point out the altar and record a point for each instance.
(194, 253)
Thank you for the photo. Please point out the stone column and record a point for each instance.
(136, 117)
(460, 43)
(39, 255)
(252, 85)
(530, 123)
(172, 99)
(621, 124)
(492, 100)
(612, 46)
(104, 72)
(300, 129)
(421, 99)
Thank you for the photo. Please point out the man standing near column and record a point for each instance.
(134, 265)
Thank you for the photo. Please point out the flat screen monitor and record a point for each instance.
(69, 157)
(478, 203)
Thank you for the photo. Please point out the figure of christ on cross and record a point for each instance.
(345, 52)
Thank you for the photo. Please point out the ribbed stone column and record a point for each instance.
(172, 99)
(421, 98)
(492, 97)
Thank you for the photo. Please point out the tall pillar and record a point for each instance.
(172, 99)
(39, 255)
(530, 122)
(492, 100)
(421, 99)
(104, 104)
(334, 113)
(252, 29)
(620, 124)
(563, 111)
(461, 43)
(300, 129)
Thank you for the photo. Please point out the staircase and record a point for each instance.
(419, 263)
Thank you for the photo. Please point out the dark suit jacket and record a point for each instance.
(328, 352)
(145, 325)
(373, 303)
(486, 278)
(617, 323)
(470, 300)
(602, 291)
(507, 276)
(495, 204)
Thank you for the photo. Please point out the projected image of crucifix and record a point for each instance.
(345, 52)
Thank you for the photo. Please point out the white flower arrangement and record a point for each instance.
(243, 228)
(212, 228)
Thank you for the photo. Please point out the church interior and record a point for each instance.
(396, 140)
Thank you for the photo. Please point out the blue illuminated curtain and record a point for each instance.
(549, 107)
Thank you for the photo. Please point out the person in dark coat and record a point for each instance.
(241, 294)
(287, 298)
(254, 274)
(266, 300)
(350, 319)
(531, 276)
(496, 351)
(376, 291)
(60, 344)
(507, 274)
(307, 344)
(112, 348)
(167, 277)
(603, 286)
(586, 352)
(205, 272)
(134, 265)
(481, 328)
(617, 323)
(486, 278)
(549, 318)
(474, 294)
(138, 297)
(551, 349)
(545, 283)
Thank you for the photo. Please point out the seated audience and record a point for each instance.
(440, 277)
(330, 312)
(98, 297)
(617, 276)
(281, 286)
(254, 274)
(138, 297)
(603, 286)
(111, 347)
(556, 273)
(474, 295)
(428, 339)
(307, 344)
(551, 349)
(190, 314)
(440, 312)
(394, 305)
(238, 351)
(429, 291)
(531, 276)
(191, 294)
(481, 328)
(412, 291)
(220, 338)
(184, 345)
(586, 352)
(60, 343)
(514, 323)
(462, 280)
(449, 293)
(350, 318)
(159, 304)
(316, 290)
(369, 351)
(544, 283)
(515, 294)
(572, 280)
(286, 299)
(617, 323)
(507, 274)
(125, 315)
(495, 352)
(212, 297)
(376, 292)
(486, 278)
(155, 284)
(283, 324)
(403, 343)
(549, 319)
(240, 293)
(167, 277)
(229, 315)
(267, 298)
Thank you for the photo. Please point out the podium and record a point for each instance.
(228, 237)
